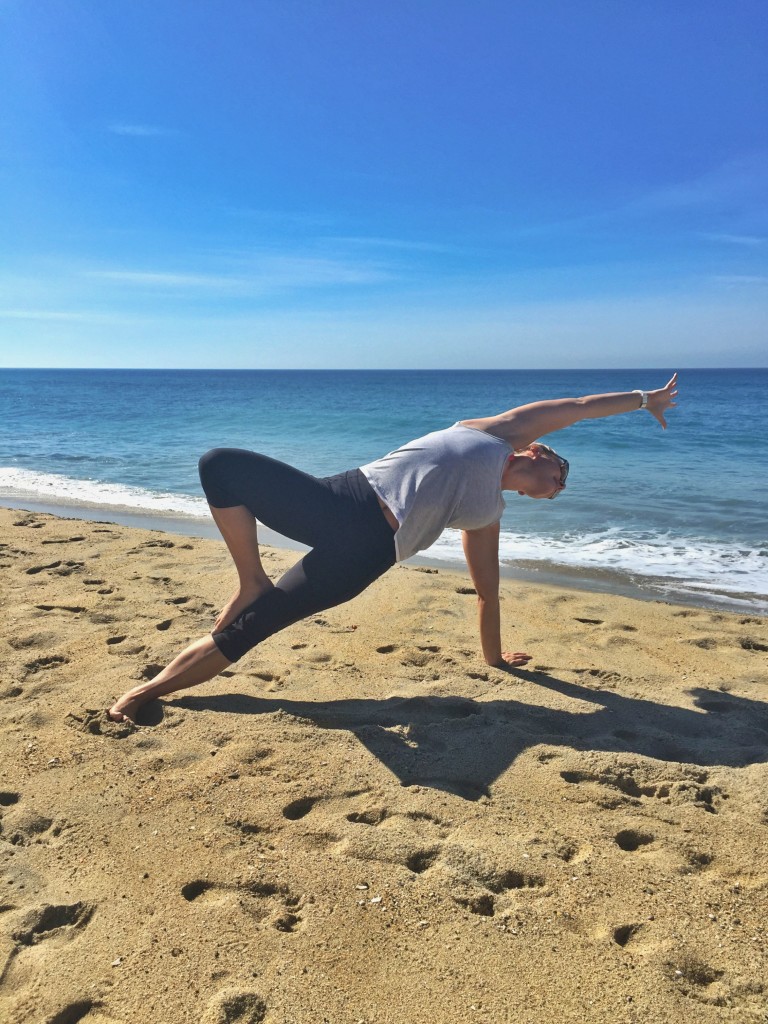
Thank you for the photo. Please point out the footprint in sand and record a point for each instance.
(20, 643)
(630, 839)
(74, 1012)
(605, 676)
(319, 658)
(625, 934)
(300, 808)
(40, 923)
(478, 882)
(74, 609)
(696, 860)
(270, 902)
(41, 664)
(102, 618)
(638, 782)
(373, 832)
(69, 567)
(246, 828)
(235, 1006)
(42, 568)
(266, 677)
(97, 723)
(23, 826)
(695, 978)
(151, 544)
(150, 671)
(748, 644)
(33, 524)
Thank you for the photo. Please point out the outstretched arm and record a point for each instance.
(481, 548)
(521, 426)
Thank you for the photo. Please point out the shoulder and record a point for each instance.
(490, 429)
(494, 426)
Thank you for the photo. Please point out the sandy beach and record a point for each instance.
(362, 823)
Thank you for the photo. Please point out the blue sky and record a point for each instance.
(351, 183)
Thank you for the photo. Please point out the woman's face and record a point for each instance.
(542, 478)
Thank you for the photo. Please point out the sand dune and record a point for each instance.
(361, 821)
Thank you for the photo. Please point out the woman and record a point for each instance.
(360, 523)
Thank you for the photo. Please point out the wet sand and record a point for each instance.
(361, 821)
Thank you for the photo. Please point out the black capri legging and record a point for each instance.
(338, 516)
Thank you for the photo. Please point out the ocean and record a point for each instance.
(674, 515)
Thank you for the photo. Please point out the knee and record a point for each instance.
(210, 461)
(217, 476)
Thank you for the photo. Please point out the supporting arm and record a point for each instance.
(481, 548)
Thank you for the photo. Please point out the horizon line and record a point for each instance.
(376, 369)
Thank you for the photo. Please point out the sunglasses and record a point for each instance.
(562, 463)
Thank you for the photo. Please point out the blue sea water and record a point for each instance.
(679, 514)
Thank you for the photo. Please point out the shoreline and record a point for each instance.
(596, 581)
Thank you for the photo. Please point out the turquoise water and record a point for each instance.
(680, 513)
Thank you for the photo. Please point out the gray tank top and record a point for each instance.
(447, 478)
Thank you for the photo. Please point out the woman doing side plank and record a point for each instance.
(360, 523)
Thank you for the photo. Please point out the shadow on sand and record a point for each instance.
(462, 745)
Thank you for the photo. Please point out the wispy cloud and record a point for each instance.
(257, 275)
(161, 279)
(742, 180)
(141, 131)
(739, 185)
(60, 315)
(287, 218)
(748, 279)
(726, 239)
(374, 242)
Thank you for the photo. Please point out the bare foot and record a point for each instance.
(239, 601)
(125, 709)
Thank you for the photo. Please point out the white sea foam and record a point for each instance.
(661, 562)
(695, 564)
(51, 487)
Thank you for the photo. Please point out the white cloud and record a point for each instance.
(257, 275)
(374, 242)
(165, 280)
(143, 131)
(742, 180)
(57, 314)
(726, 239)
(749, 279)
(700, 329)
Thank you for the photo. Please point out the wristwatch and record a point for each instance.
(643, 398)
